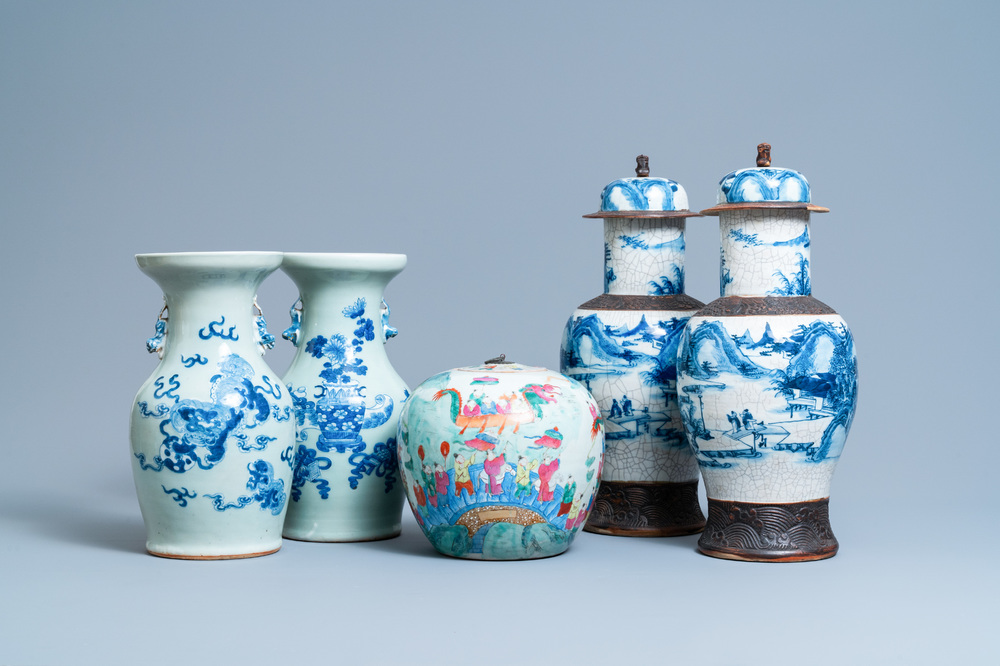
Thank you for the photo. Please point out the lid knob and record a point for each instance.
(496, 361)
(763, 154)
(642, 166)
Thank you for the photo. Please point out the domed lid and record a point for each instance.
(764, 187)
(495, 365)
(643, 196)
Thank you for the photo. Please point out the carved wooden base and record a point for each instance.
(752, 532)
(640, 509)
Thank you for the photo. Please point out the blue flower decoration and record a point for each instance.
(356, 309)
(315, 346)
(335, 349)
(366, 330)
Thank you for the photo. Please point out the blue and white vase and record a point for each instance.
(623, 346)
(347, 399)
(767, 378)
(500, 461)
(212, 429)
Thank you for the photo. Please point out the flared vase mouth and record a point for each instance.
(345, 261)
(210, 260)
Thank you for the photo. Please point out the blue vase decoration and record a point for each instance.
(623, 345)
(347, 399)
(212, 429)
(767, 378)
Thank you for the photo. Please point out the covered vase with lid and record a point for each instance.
(767, 377)
(623, 346)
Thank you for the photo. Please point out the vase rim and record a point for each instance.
(369, 261)
(209, 260)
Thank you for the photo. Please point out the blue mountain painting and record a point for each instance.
(605, 348)
(710, 350)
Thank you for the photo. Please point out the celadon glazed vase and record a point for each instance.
(623, 346)
(347, 399)
(212, 428)
(767, 377)
(500, 461)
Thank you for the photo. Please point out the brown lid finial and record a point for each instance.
(763, 154)
(642, 166)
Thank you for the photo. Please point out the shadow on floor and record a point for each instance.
(84, 524)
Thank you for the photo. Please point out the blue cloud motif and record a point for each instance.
(267, 491)
(763, 184)
(643, 194)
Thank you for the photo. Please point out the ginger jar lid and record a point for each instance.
(764, 186)
(498, 365)
(643, 196)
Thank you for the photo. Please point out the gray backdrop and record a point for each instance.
(472, 137)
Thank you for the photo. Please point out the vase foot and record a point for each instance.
(237, 556)
(363, 539)
(755, 532)
(645, 509)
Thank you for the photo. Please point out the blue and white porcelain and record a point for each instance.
(347, 399)
(623, 346)
(500, 460)
(212, 429)
(767, 379)
(643, 194)
(759, 184)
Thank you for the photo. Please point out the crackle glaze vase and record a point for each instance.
(500, 461)
(347, 398)
(623, 346)
(212, 428)
(767, 377)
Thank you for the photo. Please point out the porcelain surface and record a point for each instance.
(627, 360)
(500, 461)
(643, 256)
(758, 184)
(764, 253)
(347, 399)
(212, 428)
(643, 193)
(768, 402)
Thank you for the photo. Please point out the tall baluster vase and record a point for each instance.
(212, 428)
(767, 378)
(623, 346)
(347, 399)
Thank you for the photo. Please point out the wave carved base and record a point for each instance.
(629, 508)
(794, 532)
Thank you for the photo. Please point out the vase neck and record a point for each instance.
(644, 256)
(765, 252)
(339, 301)
(210, 309)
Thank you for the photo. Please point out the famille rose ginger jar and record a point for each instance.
(623, 346)
(347, 399)
(212, 428)
(500, 461)
(767, 377)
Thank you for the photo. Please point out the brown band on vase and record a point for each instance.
(750, 306)
(636, 302)
(755, 532)
(637, 508)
